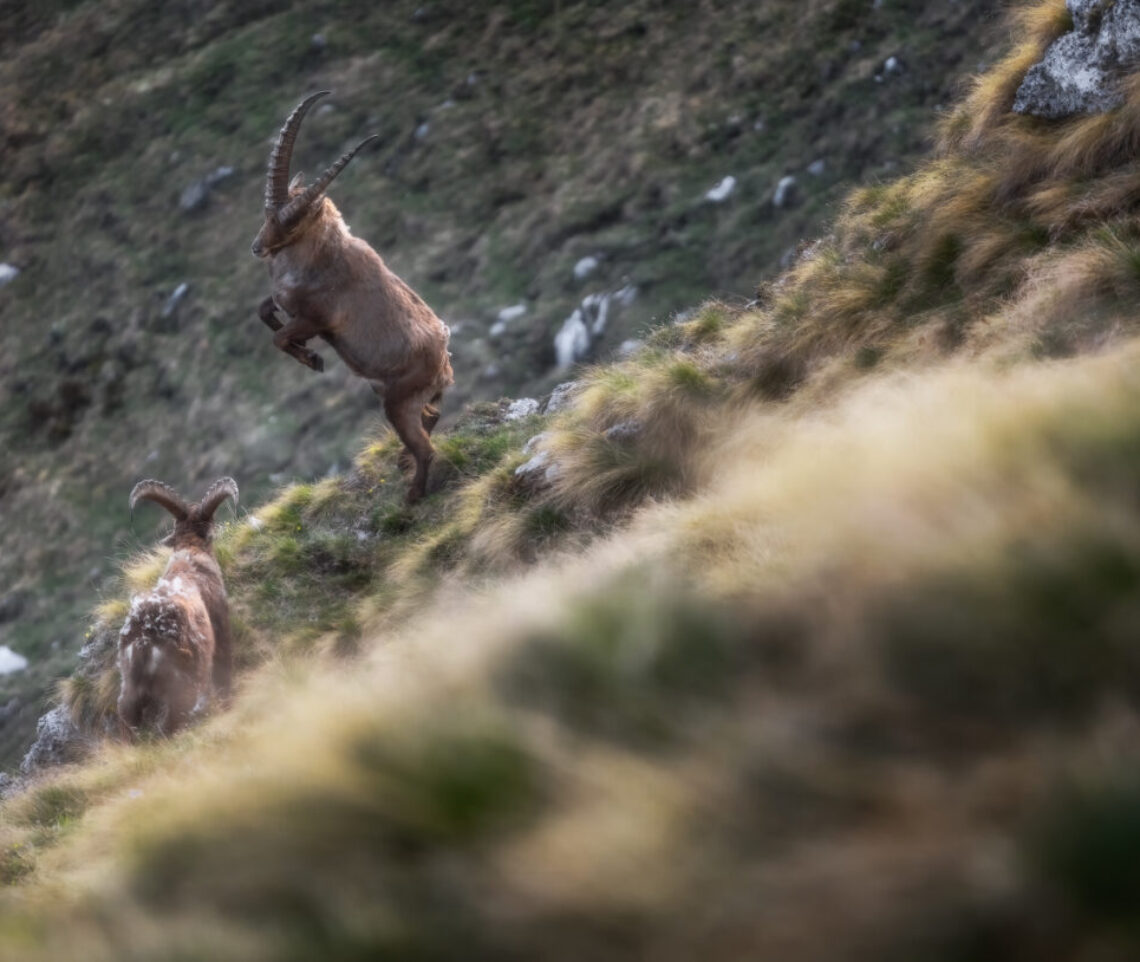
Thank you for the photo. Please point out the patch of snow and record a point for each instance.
(722, 191)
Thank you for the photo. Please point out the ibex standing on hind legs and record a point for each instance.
(335, 286)
(174, 647)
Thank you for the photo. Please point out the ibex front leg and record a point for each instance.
(291, 337)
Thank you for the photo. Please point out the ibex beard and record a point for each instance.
(332, 285)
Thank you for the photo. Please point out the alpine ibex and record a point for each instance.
(335, 286)
(175, 644)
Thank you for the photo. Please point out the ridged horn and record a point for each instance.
(162, 494)
(277, 177)
(299, 205)
(217, 493)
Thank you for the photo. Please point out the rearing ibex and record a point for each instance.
(335, 286)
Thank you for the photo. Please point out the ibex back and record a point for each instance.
(174, 647)
(335, 286)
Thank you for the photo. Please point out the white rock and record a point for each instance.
(524, 407)
(721, 191)
(585, 267)
(423, 130)
(785, 191)
(498, 329)
(817, 167)
(629, 348)
(512, 313)
(256, 523)
(572, 342)
(892, 65)
(8, 273)
(11, 661)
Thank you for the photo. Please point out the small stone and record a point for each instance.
(892, 66)
(512, 313)
(423, 130)
(8, 273)
(629, 348)
(817, 167)
(175, 299)
(785, 193)
(722, 191)
(498, 329)
(524, 407)
(585, 267)
(256, 523)
(318, 41)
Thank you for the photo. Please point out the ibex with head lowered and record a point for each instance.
(335, 286)
(175, 644)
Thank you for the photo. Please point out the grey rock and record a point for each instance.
(1082, 71)
(585, 267)
(722, 191)
(58, 741)
(177, 296)
(318, 41)
(524, 407)
(623, 431)
(817, 167)
(8, 273)
(512, 313)
(195, 195)
(786, 192)
(561, 397)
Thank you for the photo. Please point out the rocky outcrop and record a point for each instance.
(1082, 71)
(58, 741)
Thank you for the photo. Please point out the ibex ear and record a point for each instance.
(297, 182)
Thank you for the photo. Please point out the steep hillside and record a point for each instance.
(517, 140)
(825, 608)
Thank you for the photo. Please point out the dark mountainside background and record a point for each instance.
(517, 138)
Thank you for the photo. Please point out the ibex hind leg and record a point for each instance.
(406, 416)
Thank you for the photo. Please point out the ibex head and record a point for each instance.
(193, 523)
(288, 205)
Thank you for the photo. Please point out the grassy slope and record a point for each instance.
(584, 129)
(846, 627)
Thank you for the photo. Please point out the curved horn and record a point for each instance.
(277, 177)
(217, 493)
(162, 494)
(297, 207)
